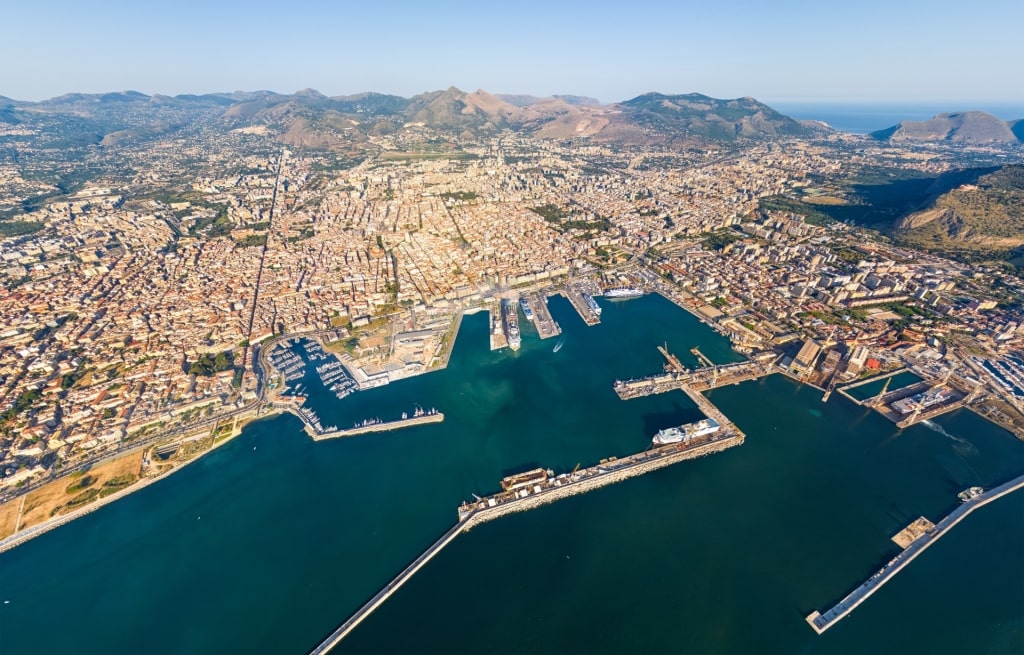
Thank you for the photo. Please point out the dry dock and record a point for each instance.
(822, 622)
(382, 426)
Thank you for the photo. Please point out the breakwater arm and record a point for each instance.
(382, 426)
(487, 509)
(821, 622)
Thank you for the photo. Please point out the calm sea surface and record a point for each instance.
(268, 543)
(861, 118)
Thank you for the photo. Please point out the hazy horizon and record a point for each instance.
(777, 53)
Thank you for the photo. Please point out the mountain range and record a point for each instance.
(309, 118)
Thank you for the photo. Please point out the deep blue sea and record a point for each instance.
(864, 118)
(268, 543)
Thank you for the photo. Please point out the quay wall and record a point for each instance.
(557, 493)
(378, 427)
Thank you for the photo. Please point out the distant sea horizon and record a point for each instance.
(861, 118)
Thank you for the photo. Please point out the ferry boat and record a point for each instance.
(923, 400)
(623, 292)
(686, 432)
(594, 307)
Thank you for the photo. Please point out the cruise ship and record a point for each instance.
(923, 400)
(592, 303)
(527, 311)
(623, 292)
(685, 432)
(511, 316)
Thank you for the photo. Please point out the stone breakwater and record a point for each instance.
(552, 494)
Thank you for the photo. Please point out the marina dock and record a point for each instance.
(921, 538)
(379, 426)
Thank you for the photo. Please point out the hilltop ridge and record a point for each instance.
(956, 127)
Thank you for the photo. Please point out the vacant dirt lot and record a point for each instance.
(53, 499)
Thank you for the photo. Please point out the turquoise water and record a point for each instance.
(268, 543)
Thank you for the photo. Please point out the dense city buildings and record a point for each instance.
(135, 304)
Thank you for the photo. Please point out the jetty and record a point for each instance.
(376, 426)
(543, 321)
(921, 537)
(584, 305)
(701, 379)
(378, 599)
(540, 487)
(497, 328)
(533, 489)
(673, 361)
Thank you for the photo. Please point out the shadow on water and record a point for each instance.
(676, 415)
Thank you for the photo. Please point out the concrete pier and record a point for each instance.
(607, 472)
(672, 360)
(702, 379)
(575, 297)
(542, 319)
(822, 622)
(383, 426)
(701, 357)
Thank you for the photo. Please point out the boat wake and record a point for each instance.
(962, 446)
(558, 346)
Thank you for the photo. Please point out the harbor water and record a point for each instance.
(271, 541)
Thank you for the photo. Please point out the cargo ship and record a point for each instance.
(527, 311)
(623, 292)
(684, 433)
(923, 400)
(511, 315)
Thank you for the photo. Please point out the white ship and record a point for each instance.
(686, 432)
(923, 400)
(623, 292)
(511, 315)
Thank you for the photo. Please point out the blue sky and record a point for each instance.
(784, 50)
